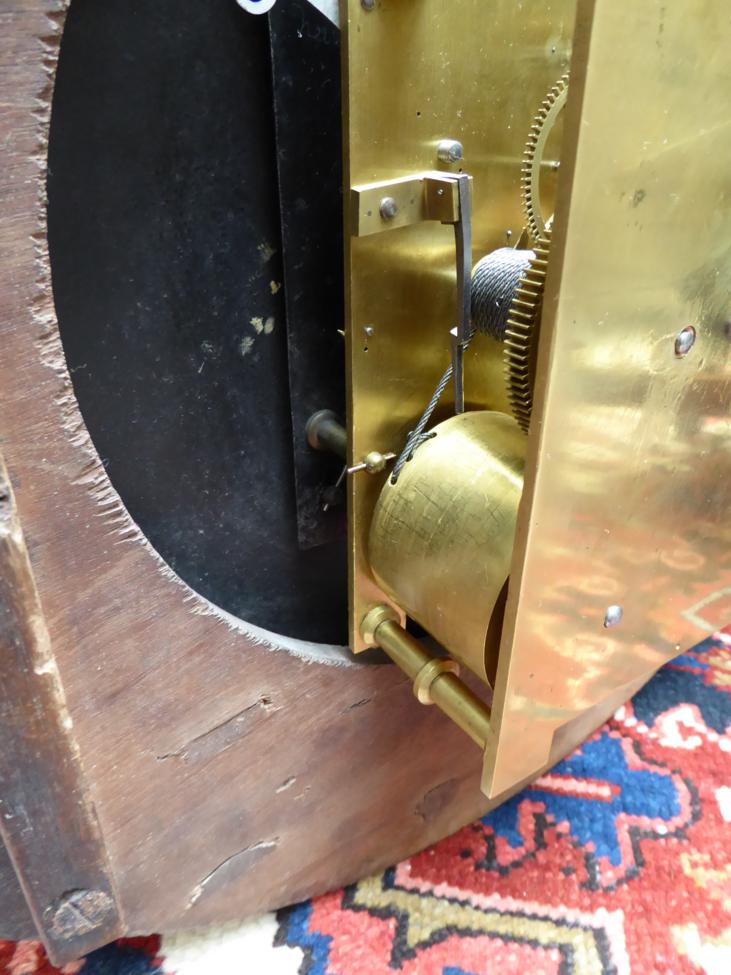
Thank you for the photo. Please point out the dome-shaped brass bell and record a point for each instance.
(441, 539)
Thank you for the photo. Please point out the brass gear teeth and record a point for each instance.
(552, 105)
(521, 333)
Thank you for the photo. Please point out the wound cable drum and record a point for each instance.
(495, 283)
(495, 280)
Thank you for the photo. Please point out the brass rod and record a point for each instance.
(447, 691)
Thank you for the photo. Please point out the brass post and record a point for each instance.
(435, 680)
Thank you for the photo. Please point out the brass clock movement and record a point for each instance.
(365, 426)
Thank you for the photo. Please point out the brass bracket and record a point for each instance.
(394, 203)
(447, 198)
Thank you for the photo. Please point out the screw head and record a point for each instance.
(368, 4)
(684, 341)
(388, 208)
(613, 616)
(449, 151)
(369, 331)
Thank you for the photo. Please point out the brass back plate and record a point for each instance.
(416, 72)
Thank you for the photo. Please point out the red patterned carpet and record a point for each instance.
(617, 861)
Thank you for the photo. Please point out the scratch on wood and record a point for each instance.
(399, 680)
(217, 739)
(357, 704)
(242, 859)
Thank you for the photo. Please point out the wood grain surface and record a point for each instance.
(15, 916)
(47, 822)
(228, 776)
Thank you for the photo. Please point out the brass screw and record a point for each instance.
(684, 341)
(388, 208)
(449, 151)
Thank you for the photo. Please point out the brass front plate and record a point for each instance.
(628, 475)
(416, 72)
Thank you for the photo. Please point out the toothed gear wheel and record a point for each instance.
(530, 180)
(521, 334)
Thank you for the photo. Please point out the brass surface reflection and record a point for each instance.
(628, 474)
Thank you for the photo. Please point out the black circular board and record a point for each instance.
(166, 257)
